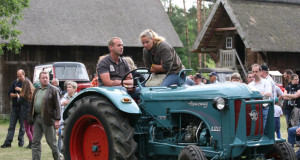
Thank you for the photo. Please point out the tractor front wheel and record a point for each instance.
(191, 152)
(96, 129)
(281, 151)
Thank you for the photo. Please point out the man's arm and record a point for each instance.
(11, 90)
(156, 68)
(105, 77)
(56, 99)
(291, 96)
(128, 80)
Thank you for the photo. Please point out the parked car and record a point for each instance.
(222, 73)
(64, 71)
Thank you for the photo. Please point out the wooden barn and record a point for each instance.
(77, 30)
(239, 33)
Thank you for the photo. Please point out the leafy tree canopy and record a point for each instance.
(179, 21)
(10, 15)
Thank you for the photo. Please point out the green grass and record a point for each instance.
(283, 128)
(20, 153)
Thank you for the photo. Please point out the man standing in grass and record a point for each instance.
(16, 113)
(45, 115)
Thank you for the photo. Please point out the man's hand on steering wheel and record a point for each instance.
(142, 72)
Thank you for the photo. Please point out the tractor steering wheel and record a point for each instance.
(142, 75)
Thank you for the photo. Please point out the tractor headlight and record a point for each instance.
(219, 103)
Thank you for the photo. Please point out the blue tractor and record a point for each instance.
(215, 121)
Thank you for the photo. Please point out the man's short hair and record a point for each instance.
(43, 72)
(288, 71)
(293, 76)
(55, 80)
(22, 71)
(73, 84)
(256, 65)
(111, 41)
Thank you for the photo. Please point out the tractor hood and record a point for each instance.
(226, 90)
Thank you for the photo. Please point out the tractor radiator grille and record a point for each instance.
(254, 118)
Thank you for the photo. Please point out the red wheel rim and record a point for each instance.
(88, 139)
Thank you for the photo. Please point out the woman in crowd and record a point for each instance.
(24, 99)
(236, 77)
(160, 57)
(71, 92)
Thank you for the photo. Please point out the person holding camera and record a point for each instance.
(292, 99)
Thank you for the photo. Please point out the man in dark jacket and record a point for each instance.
(45, 116)
(15, 113)
(292, 99)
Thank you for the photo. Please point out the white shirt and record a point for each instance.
(62, 108)
(278, 91)
(262, 86)
(270, 79)
(277, 111)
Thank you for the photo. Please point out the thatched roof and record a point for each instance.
(279, 1)
(263, 25)
(94, 22)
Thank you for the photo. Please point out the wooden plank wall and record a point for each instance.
(33, 55)
(283, 60)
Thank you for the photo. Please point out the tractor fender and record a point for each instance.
(114, 94)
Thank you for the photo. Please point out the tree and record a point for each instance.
(10, 15)
(186, 22)
(187, 35)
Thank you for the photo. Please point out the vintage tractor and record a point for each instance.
(215, 121)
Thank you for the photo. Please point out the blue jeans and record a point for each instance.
(287, 113)
(171, 79)
(292, 135)
(265, 115)
(59, 142)
(15, 115)
(277, 126)
(292, 138)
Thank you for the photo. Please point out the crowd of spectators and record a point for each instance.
(159, 57)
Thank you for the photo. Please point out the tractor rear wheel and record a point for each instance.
(191, 152)
(281, 151)
(96, 129)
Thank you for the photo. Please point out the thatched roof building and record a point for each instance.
(78, 30)
(93, 22)
(262, 31)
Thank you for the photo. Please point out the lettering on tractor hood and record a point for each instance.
(195, 104)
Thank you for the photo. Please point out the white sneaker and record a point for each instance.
(61, 156)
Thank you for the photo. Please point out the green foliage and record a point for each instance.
(210, 63)
(179, 20)
(10, 15)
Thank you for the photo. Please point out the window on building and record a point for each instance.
(228, 42)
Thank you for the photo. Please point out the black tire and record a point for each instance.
(191, 152)
(281, 151)
(112, 138)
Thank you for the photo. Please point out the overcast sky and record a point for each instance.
(188, 3)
